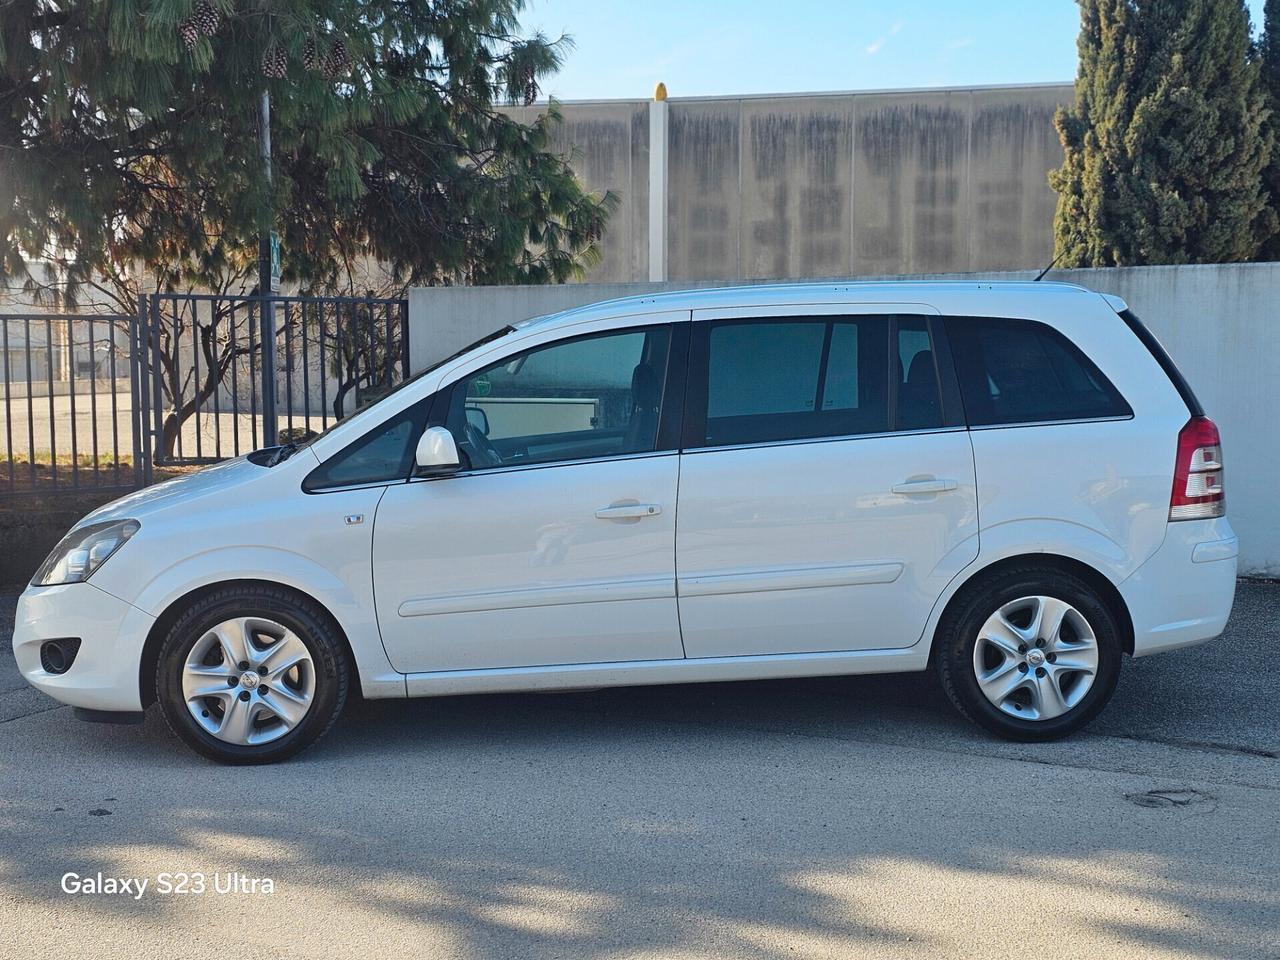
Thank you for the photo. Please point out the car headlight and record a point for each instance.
(82, 551)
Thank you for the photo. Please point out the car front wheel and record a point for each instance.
(252, 674)
(1030, 654)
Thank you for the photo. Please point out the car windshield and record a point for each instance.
(284, 451)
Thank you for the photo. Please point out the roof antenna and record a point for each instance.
(1052, 263)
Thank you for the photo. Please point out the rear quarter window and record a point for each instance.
(1022, 371)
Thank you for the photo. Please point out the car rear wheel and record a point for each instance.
(252, 674)
(1029, 653)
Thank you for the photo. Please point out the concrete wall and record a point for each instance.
(824, 185)
(608, 144)
(1218, 322)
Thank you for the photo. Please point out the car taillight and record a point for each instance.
(1197, 475)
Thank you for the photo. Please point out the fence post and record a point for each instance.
(137, 382)
(152, 353)
(267, 316)
(404, 339)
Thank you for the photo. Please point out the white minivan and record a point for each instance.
(1008, 483)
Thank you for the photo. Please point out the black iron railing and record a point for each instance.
(101, 400)
(68, 404)
(225, 375)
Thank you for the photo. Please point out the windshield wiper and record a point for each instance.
(283, 453)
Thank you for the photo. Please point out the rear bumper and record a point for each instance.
(1183, 594)
(104, 675)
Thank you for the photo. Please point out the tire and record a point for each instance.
(985, 646)
(288, 698)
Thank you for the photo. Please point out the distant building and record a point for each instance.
(820, 185)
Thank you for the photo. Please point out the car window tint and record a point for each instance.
(589, 397)
(764, 368)
(1022, 371)
(795, 379)
(918, 405)
(840, 388)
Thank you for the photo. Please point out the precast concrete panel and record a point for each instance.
(797, 187)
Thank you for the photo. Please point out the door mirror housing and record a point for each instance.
(436, 453)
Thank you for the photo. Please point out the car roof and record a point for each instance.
(769, 294)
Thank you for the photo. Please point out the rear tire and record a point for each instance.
(252, 674)
(1031, 653)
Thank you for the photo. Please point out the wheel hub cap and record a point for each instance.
(1036, 658)
(260, 703)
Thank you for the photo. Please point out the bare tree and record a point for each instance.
(192, 343)
(365, 344)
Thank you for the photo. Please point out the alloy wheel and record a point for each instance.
(1036, 658)
(248, 681)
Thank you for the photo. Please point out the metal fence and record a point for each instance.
(103, 400)
(68, 407)
(220, 376)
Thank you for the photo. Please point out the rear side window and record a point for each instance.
(795, 379)
(801, 378)
(1021, 371)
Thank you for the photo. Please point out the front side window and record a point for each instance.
(382, 455)
(595, 396)
(1023, 371)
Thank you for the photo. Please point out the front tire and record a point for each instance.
(1030, 653)
(252, 674)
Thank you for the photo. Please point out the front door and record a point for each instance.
(555, 543)
(827, 490)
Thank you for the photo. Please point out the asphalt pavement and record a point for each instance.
(853, 817)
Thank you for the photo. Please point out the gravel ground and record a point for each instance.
(818, 818)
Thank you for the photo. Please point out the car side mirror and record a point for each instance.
(436, 453)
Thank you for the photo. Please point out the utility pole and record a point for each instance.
(266, 304)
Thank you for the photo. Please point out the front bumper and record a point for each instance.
(105, 674)
(1183, 594)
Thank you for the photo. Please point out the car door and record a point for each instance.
(827, 484)
(555, 542)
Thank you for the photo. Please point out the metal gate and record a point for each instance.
(218, 376)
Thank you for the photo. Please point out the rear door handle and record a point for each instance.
(629, 511)
(932, 485)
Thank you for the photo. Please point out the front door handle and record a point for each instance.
(629, 511)
(930, 485)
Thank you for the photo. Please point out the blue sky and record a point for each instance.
(708, 47)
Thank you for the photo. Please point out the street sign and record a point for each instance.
(275, 262)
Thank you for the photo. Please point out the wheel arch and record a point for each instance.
(165, 621)
(1099, 581)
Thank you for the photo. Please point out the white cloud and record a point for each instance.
(958, 44)
(874, 46)
(897, 27)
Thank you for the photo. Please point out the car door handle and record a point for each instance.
(931, 485)
(629, 511)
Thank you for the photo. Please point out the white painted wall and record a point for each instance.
(1221, 323)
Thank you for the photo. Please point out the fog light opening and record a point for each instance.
(57, 656)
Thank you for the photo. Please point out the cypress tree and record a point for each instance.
(1269, 56)
(1165, 146)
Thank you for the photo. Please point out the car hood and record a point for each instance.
(218, 478)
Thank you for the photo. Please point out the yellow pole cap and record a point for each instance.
(660, 91)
